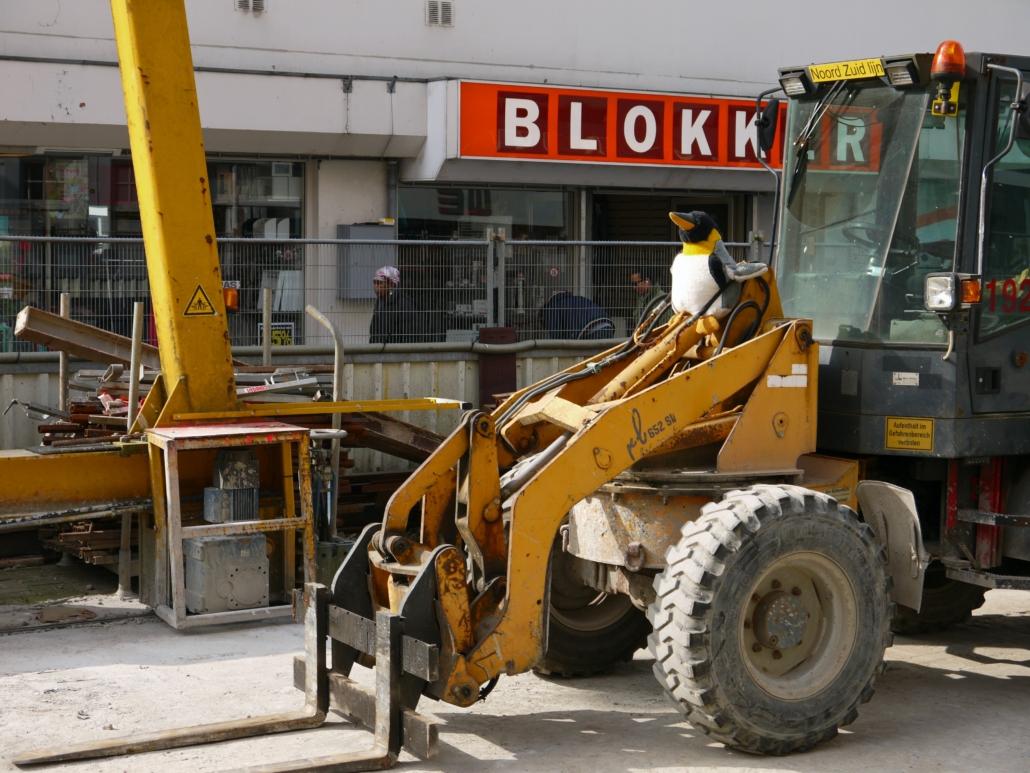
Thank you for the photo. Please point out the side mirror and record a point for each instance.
(767, 123)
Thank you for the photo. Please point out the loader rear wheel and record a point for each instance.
(588, 632)
(771, 619)
(945, 603)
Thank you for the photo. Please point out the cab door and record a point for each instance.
(999, 358)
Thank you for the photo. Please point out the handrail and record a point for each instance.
(460, 347)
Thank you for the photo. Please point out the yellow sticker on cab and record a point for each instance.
(845, 71)
(902, 433)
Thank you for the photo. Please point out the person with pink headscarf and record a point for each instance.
(393, 317)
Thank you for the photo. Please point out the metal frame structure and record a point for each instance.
(515, 282)
(165, 445)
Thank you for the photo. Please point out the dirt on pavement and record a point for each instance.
(951, 701)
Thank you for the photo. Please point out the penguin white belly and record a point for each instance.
(692, 283)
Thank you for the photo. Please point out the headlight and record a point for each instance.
(796, 83)
(903, 71)
(939, 292)
(794, 86)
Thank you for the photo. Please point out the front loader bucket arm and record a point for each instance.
(434, 477)
(611, 442)
(493, 622)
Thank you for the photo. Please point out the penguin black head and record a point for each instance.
(694, 226)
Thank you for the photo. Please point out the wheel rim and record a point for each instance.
(798, 626)
(600, 612)
(580, 607)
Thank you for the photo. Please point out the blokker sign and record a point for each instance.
(608, 127)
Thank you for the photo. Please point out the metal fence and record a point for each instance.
(448, 291)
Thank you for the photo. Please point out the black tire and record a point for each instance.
(724, 591)
(588, 632)
(946, 602)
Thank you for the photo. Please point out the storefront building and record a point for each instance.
(448, 120)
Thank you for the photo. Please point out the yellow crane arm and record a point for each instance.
(163, 118)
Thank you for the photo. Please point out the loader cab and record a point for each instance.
(881, 189)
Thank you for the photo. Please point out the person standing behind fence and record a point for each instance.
(649, 295)
(393, 316)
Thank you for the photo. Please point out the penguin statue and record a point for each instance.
(704, 266)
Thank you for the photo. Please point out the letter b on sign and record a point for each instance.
(521, 122)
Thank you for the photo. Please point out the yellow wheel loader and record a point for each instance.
(667, 485)
(670, 486)
(676, 476)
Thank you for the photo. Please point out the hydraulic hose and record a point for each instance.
(741, 307)
(633, 342)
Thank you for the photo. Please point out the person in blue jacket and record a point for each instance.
(572, 316)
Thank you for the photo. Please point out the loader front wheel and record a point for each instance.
(771, 619)
(588, 632)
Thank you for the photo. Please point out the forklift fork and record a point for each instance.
(404, 665)
(316, 705)
(404, 648)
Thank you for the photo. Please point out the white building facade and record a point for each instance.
(568, 120)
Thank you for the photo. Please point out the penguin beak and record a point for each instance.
(682, 220)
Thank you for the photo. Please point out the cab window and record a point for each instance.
(1006, 269)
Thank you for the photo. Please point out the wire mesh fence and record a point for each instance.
(431, 291)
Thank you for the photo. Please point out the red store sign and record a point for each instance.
(607, 127)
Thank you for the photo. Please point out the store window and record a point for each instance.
(448, 286)
(87, 196)
(57, 195)
(257, 199)
(96, 196)
(71, 198)
(468, 213)
(262, 201)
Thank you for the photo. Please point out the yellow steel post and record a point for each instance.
(175, 203)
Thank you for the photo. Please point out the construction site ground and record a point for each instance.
(949, 701)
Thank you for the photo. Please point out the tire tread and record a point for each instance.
(682, 616)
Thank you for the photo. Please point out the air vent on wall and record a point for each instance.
(439, 13)
(257, 6)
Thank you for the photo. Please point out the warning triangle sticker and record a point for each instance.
(199, 305)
